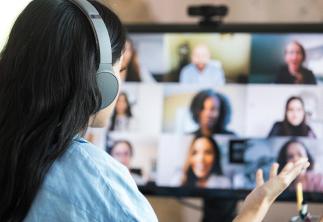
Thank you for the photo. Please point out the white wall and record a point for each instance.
(265, 97)
(9, 11)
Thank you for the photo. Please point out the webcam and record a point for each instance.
(210, 14)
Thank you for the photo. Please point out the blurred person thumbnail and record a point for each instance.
(202, 69)
(294, 123)
(122, 117)
(133, 70)
(294, 72)
(122, 150)
(212, 112)
(202, 167)
(292, 151)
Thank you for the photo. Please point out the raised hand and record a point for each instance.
(260, 199)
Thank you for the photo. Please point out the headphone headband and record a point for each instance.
(100, 31)
(106, 80)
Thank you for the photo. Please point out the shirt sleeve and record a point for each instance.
(116, 183)
(182, 74)
(221, 76)
(86, 184)
(274, 130)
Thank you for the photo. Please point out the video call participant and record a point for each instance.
(292, 151)
(212, 112)
(202, 69)
(293, 72)
(134, 71)
(122, 151)
(202, 167)
(294, 123)
(122, 118)
(49, 94)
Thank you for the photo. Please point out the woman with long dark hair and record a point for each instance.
(294, 123)
(293, 71)
(212, 112)
(131, 61)
(134, 70)
(48, 95)
(292, 151)
(202, 167)
(122, 116)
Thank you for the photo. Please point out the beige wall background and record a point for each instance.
(168, 11)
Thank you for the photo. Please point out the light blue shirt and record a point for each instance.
(86, 184)
(212, 74)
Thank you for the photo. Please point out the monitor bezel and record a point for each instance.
(229, 27)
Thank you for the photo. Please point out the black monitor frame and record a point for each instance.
(236, 28)
(179, 192)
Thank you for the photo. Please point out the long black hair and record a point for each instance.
(48, 91)
(190, 179)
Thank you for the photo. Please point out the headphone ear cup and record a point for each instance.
(109, 86)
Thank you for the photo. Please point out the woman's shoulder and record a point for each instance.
(309, 77)
(86, 174)
(306, 70)
(277, 125)
(283, 76)
(283, 71)
(276, 129)
(310, 130)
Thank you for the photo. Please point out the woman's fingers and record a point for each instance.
(273, 170)
(259, 178)
(286, 170)
(292, 170)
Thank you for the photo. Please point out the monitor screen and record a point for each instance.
(200, 112)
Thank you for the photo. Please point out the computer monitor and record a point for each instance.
(202, 108)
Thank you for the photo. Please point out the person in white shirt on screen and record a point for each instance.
(202, 69)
